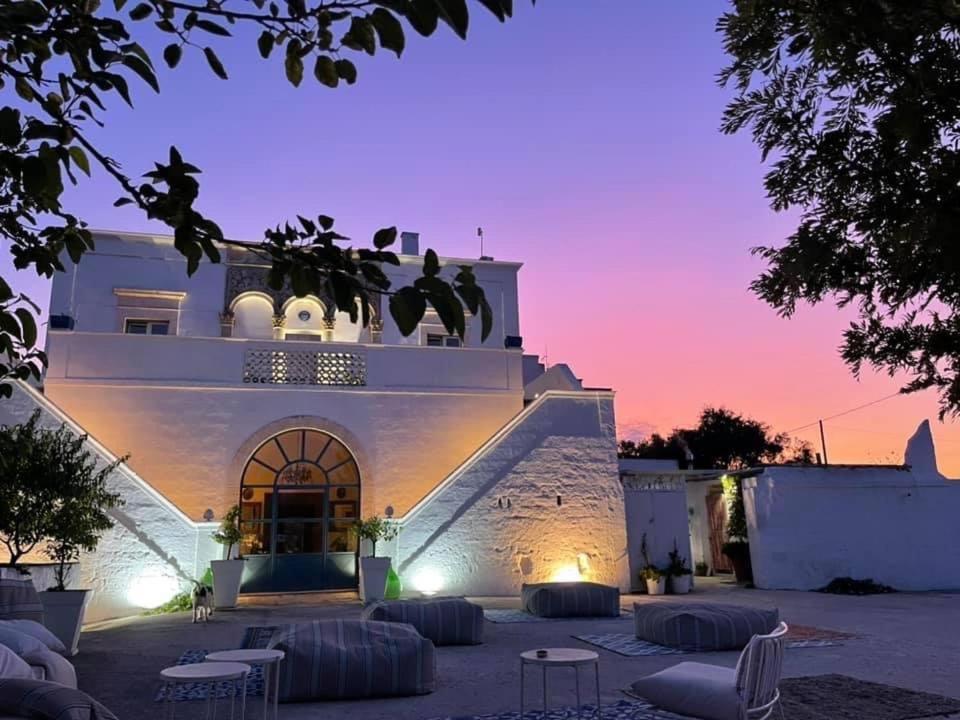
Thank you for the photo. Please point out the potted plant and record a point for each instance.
(54, 494)
(702, 569)
(679, 573)
(737, 547)
(655, 580)
(228, 572)
(374, 570)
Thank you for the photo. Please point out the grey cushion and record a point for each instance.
(701, 627)
(43, 700)
(693, 689)
(19, 600)
(574, 599)
(341, 659)
(445, 621)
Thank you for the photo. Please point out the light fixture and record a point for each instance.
(428, 581)
(152, 589)
(304, 315)
(566, 573)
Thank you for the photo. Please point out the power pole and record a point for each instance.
(823, 444)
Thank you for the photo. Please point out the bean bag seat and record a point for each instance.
(572, 599)
(702, 627)
(445, 620)
(350, 659)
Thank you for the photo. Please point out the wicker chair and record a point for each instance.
(748, 692)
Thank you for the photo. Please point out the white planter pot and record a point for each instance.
(657, 587)
(226, 582)
(373, 578)
(63, 615)
(680, 584)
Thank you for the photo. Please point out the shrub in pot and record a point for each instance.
(374, 570)
(737, 547)
(227, 573)
(739, 553)
(52, 492)
(679, 573)
(652, 576)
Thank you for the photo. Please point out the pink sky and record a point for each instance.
(583, 138)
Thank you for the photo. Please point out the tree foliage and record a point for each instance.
(721, 440)
(65, 60)
(51, 492)
(856, 106)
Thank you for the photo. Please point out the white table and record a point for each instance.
(269, 659)
(563, 658)
(209, 674)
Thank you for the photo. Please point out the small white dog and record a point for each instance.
(202, 602)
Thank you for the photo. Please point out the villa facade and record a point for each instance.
(224, 392)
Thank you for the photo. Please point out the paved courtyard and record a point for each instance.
(906, 639)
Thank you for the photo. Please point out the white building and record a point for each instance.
(224, 392)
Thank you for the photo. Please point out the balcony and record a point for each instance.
(78, 357)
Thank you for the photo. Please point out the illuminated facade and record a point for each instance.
(225, 392)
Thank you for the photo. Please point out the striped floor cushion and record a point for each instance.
(19, 600)
(701, 627)
(445, 621)
(348, 659)
(573, 599)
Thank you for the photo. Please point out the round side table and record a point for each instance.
(269, 659)
(562, 658)
(208, 674)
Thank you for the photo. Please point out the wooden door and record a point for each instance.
(717, 519)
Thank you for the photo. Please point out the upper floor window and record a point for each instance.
(437, 340)
(147, 327)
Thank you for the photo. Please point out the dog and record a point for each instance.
(202, 602)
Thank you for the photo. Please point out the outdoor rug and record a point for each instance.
(183, 692)
(627, 644)
(254, 637)
(521, 616)
(622, 710)
(826, 697)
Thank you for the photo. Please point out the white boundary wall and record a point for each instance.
(897, 525)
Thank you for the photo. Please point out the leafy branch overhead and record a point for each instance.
(64, 59)
(856, 105)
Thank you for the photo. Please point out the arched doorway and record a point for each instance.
(299, 497)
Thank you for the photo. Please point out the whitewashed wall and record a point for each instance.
(153, 551)
(656, 505)
(496, 524)
(896, 525)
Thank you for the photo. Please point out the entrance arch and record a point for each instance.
(299, 497)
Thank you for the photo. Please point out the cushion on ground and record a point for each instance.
(12, 665)
(701, 627)
(693, 689)
(573, 599)
(19, 600)
(38, 631)
(42, 700)
(445, 621)
(345, 659)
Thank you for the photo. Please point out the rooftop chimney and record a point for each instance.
(409, 243)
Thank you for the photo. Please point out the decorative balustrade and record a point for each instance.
(299, 367)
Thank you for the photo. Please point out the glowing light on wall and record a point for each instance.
(428, 581)
(151, 590)
(566, 573)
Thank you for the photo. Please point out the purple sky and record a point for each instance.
(583, 137)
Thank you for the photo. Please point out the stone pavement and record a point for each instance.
(905, 639)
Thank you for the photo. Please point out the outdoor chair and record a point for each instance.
(709, 692)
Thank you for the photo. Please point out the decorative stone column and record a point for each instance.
(226, 323)
(376, 331)
(328, 326)
(278, 322)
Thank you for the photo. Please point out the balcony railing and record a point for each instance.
(301, 367)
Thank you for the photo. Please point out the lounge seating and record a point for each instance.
(573, 599)
(445, 620)
(347, 659)
(701, 627)
(748, 691)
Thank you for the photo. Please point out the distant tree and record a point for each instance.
(66, 59)
(856, 105)
(721, 440)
